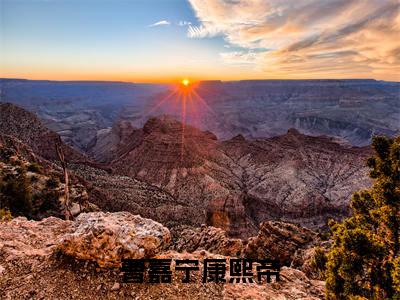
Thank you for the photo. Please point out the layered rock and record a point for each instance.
(294, 285)
(112, 192)
(236, 184)
(278, 240)
(109, 142)
(212, 239)
(26, 127)
(186, 163)
(298, 178)
(106, 238)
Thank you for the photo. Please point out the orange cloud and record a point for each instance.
(335, 38)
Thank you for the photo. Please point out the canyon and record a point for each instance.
(350, 110)
(182, 176)
(254, 169)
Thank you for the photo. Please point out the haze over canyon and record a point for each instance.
(247, 168)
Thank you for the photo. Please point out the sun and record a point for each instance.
(185, 82)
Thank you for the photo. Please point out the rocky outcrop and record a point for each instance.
(229, 213)
(23, 239)
(112, 192)
(212, 239)
(33, 187)
(31, 267)
(278, 240)
(106, 238)
(26, 127)
(291, 244)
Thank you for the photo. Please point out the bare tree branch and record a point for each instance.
(61, 157)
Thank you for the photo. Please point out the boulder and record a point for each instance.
(106, 238)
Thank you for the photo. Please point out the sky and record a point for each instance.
(167, 40)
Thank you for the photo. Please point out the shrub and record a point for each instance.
(16, 194)
(5, 215)
(318, 261)
(50, 201)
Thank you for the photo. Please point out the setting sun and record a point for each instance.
(185, 82)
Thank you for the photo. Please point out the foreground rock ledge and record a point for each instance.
(106, 238)
(30, 271)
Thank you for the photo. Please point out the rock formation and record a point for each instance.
(112, 192)
(26, 127)
(107, 143)
(106, 238)
(23, 239)
(278, 240)
(297, 178)
(32, 186)
(31, 266)
(186, 163)
(208, 238)
(238, 183)
(180, 175)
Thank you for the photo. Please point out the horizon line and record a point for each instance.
(205, 80)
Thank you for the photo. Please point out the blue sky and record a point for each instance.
(164, 40)
(103, 39)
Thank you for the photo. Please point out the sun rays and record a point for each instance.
(184, 103)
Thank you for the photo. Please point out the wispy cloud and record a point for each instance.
(241, 57)
(308, 38)
(184, 23)
(160, 23)
(201, 31)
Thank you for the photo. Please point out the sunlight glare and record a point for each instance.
(185, 82)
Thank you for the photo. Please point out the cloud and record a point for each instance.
(201, 31)
(241, 57)
(184, 23)
(310, 38)
(160, 23)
